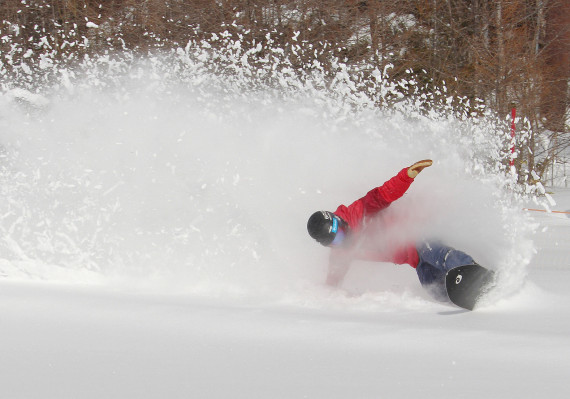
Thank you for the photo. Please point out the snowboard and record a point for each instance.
(466, 284)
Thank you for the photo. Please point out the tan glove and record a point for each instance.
(416, 168)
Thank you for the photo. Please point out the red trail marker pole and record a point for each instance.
(513, 116)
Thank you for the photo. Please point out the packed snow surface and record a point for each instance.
(154, 245)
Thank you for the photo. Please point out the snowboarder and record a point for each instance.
(347, 232)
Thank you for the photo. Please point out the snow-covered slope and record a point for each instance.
(90, 342)
(153, 245)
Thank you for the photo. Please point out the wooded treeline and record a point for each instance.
(508, 53)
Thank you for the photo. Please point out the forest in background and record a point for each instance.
(502, 54)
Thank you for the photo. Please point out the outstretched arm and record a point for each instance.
(380, 197)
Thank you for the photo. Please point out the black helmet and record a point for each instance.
(323, 226)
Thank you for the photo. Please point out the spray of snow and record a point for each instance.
(175, 172)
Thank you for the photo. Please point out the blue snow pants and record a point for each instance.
(436, 260)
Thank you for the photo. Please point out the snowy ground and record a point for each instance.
(153, 245)
(85, 341)
(73, 341)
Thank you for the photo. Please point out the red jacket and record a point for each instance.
(357, 215)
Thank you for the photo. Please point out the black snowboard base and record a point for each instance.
(466, 284)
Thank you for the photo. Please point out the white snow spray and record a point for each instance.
(163, 172)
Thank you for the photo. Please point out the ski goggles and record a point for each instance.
(339, 229)
(338, 238)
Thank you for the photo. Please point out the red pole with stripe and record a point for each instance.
(513, 116)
